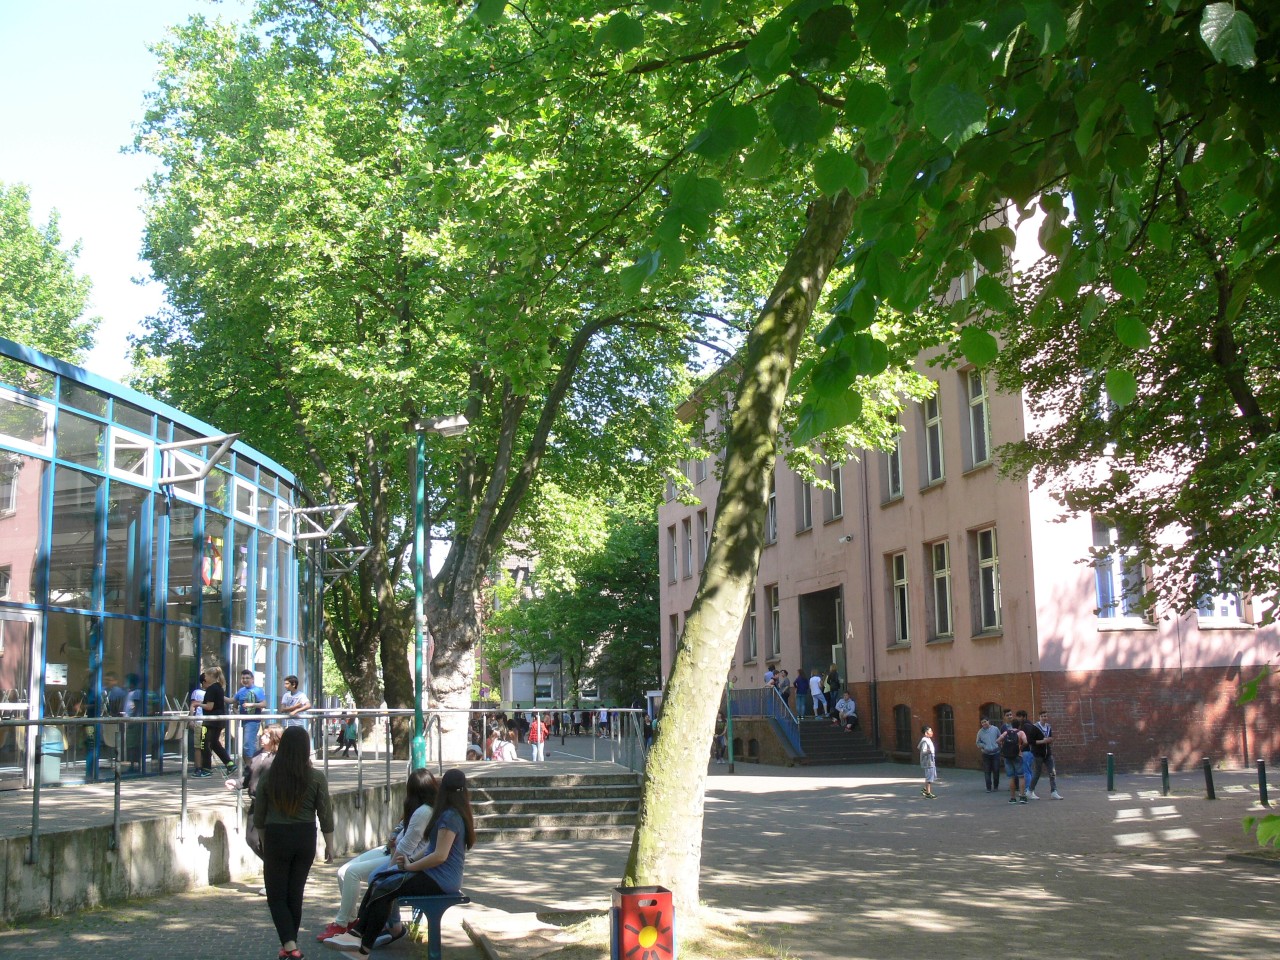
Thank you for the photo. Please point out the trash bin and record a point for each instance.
(643, 924)
(52, 748)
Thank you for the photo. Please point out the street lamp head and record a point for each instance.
(447, 426)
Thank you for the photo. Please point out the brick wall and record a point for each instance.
(1138, 715)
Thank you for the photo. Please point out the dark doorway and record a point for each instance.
(821, 616)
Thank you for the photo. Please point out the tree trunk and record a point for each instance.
(667, 847)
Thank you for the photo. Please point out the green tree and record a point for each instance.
(42, 299)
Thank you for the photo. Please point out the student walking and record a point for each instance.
(928, 762)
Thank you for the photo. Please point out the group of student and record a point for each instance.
(423, 856)
(1022, 748)
(209, 702)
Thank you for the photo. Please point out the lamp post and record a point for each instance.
(445, 427)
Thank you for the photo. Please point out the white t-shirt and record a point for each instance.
(197, 698)
(846, 705)
(815, 685)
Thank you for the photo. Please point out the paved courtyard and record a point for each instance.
(839, 862)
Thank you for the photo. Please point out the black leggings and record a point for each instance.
(288, 850)
(375, 909)
(213, 730)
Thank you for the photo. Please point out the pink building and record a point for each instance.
(944, 592)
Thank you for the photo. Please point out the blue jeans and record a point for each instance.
(1028, 762)
(249, 739)
(802, 704)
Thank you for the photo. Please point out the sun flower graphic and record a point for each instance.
(645, 945)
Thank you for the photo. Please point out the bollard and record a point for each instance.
(1262, 782)
(1164, 776)
(1111, 773)
(1208, 779)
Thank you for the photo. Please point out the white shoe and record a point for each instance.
(344, 941)
(1032, 795)
(1056, 795)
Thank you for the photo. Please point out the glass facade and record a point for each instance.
(116, 590)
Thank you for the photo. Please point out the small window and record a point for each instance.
(686, 526)
(775, 621)
(671, 554)
(131, 456)
(899, 598)
(979, 419)
(246, 500)
(987, 565)
(833, 498)
(939, 555)
(933, 465)
(944, 728)
(284, 520)
(804, 505)
(893, 469)
(1118, 574)
(771, 518)
(699, 470)
(25, 424)
(903, 735)
(704, 538)
(6, 580)
(179, 464)
(752, 636)
(10, 467)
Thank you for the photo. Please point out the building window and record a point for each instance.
(804, 505)
(25, 424)
(771, 518)
(833, 498)
(671, 554)
(752, 636)
(10, 467)
(933, 466)
(903, 738)
(673, 628)
(939, 559)
(1117, 572)
(979, 418)
(1225, 606)
(183, 465)
(994, 713)
(944, 728)
(670, 493)
(686, 554)
(6, 580)
(246, 500)
(775, 621)
(893, 469)
(704, 538)
(699, 470)
(130, 456)
(986, 557)
(898, 598)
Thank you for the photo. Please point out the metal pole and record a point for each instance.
(562, 734)
(115, 814)
(1111, 773)
(729, 722)
(1262, 782)
(1208, 779)
(359, 766)
(33, 849)
(182, 760)
(386, 789)
(1164, 776)
(419, 750)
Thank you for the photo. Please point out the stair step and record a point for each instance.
(568, 820)
(600, 804)
(512, 794)
(522, 834)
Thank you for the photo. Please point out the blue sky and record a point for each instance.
(73, 76)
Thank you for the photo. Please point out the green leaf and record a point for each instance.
(622, 32)
(978, 346)
(1132, 332)
(1161, 236)
(989, 246)
(710, 9)
(826, 40)
(1127, 282)
(769, 51)
(1046, 20)
(797, 116)
(1249, 689)
(1229, 34)
(953, 115)
(763, 160)
(1122, 387)
(865, 104)
(835, 170)
(1138, 107)
(1267, 276)
(661, 6)
(730, 127)
(1090, 309)
(632, 278)
(993, 293)
(869, 355)
(1269, 830)
(489, 12)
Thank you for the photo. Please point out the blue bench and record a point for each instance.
(433, 908)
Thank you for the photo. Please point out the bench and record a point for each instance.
(432, 908)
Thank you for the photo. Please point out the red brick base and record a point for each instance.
(1137, 715)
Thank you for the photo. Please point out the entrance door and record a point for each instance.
(18, 635)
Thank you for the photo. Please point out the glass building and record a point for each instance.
(123, 573)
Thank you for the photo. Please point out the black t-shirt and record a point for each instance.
(215, 700)
(1041, 748)
(1034, 735)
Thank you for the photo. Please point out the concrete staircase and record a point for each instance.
(555, 806)
(825, 743)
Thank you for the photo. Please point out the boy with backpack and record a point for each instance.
(1012, 741)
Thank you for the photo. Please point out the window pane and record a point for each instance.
(80, 440)
(125, 575)
(26, 377)
(68, 646)
(989, 595)
(215, 490)
(283, 589)
(181, 603)
(240, 585)
(73, 554)
(135, 418)
(23, 422)
(211, 571)
(22, 482)
(83, 398)
(262, 583)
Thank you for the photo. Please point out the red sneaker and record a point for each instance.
(332, 930)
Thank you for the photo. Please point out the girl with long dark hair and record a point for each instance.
(289, 799)
(450, 834)
(409, 837)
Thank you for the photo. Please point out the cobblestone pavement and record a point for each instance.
(839, 862)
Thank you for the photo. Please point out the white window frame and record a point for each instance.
(988, 570)
(900, 598)
(704, 538)
(250, 513)
(10, 467)
(44, 448)
(284, 520)
(771, 517)
(944, 624)
(686, 554)
(775, 620)
(176, 463)
(753, 637)
(979, 418)
(121, 439)
(1220, 608)
(804, 505)
(931, 410)
(699, 470)
(833, 498)
(893, 466)
(6, 584)
(673, 570)
(1120, 579)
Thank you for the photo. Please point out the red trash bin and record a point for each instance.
(643, 924)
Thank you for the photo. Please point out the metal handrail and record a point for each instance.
(767, 702)
(626, 747)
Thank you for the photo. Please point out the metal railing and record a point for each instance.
(767, 702)
(146, 746)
